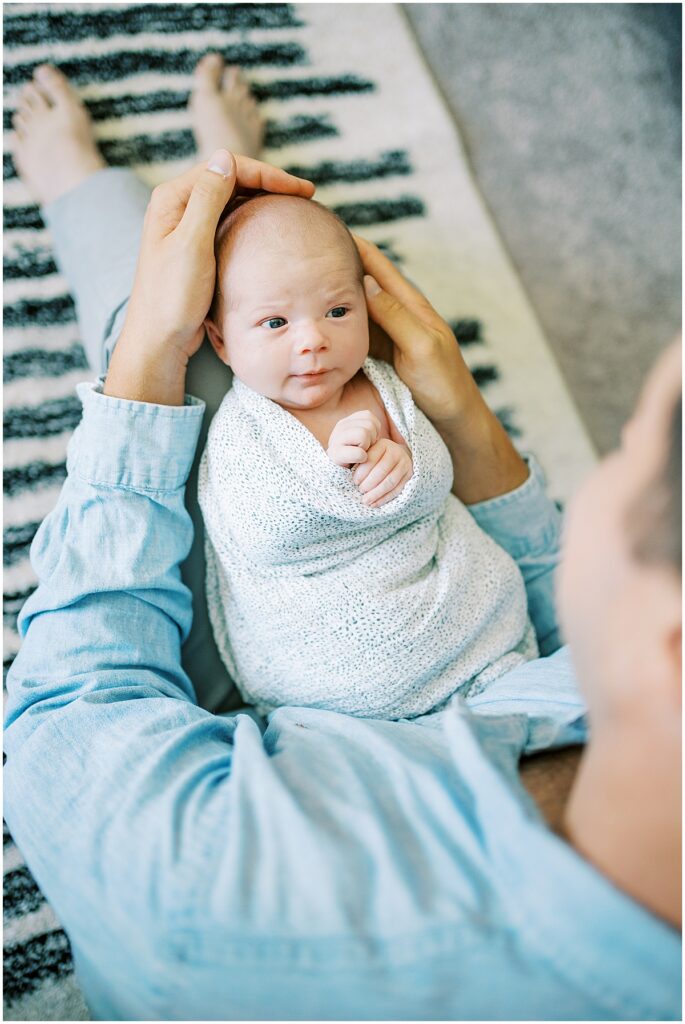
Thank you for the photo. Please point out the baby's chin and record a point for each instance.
(309, 392)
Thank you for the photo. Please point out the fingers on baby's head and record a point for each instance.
(268, 221)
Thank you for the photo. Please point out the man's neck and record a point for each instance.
(624, 814)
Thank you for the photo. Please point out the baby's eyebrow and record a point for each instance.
(268, 307)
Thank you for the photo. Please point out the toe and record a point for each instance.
(32, 98)
(232, 79)
(54, 84)
(19, 124)
(246, 107)
(208, 70)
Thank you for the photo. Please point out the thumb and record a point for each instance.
(401, 325)
(210, 192)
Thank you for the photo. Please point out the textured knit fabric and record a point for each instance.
(318, 601)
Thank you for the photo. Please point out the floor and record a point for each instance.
(571, 116)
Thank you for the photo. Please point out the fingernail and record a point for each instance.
(221, 163)
(371, 286)
(43, 71)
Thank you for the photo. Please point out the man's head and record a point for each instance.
(620, 578)
(289, 300)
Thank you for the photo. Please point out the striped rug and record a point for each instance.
(349, 104)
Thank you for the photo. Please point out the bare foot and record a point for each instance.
(224, 113)
(55, 149)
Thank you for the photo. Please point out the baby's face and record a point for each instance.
(294, 319)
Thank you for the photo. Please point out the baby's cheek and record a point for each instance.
(358, 343)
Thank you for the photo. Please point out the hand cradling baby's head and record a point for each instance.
(289, 313)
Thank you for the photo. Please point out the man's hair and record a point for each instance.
(655, 519)
(242, 208)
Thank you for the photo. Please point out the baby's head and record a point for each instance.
(289, 300)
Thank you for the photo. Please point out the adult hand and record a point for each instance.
(408, 332)
(175, 276)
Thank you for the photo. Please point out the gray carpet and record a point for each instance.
(570, 114)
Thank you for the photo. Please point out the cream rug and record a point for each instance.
(350, 104)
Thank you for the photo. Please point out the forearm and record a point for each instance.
(486, 463)
(141, 372)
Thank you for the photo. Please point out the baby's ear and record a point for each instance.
(217, 339)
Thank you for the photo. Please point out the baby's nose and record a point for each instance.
(310, 338)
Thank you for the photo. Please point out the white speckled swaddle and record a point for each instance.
(317, 600)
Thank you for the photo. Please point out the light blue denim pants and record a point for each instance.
(96, 229)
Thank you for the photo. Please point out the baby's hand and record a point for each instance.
(352, 437)
(387, 469)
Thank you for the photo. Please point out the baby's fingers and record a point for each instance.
(381, 462)
(346, 454)
(382, 496)
(357, 433)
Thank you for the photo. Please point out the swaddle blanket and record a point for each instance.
(317, 600)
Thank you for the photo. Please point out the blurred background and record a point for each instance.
(571, 117)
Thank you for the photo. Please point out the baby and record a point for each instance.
(342, 573)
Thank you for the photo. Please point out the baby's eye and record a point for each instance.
(274, 323)
(337, 312)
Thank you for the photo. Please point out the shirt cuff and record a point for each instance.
(523, 520)
(122, 443)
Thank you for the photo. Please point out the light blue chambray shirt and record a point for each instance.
(327, 867)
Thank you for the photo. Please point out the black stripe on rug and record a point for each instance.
(485, 374)
(319, 85)
(40, 312)
(111, 107)
(467, 332)
(300, 128)
(330, 171)
(37, 362)
(20, 894)
(12, 604)
(379, 211)
(22, 218)
(32, 476)
(506, 416)
(73, 26)
(27, 263)
(52, 417)
(16, 541)
(118, 64)
(26, 964)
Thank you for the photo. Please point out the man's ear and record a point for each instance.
(216, 338)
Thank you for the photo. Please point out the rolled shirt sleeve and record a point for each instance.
(527, 524)
(107, 559)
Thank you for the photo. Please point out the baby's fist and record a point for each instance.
(352, 437)
(387, 469)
